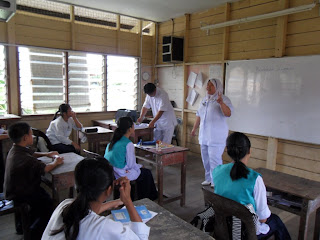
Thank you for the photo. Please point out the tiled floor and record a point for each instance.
(194, 201)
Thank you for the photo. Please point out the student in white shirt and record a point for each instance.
(238, 182)
(79, 218)
(212, 115)
(60, 129)
(164, 119)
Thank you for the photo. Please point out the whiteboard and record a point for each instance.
(277, 97)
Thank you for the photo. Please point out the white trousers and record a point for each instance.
(164, 135)
(211, 158)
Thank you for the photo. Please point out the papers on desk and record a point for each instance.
(141, 125)
(67, 157)
(122, 214)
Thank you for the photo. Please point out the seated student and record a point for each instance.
(79, 218)
(120, 153)
(60, 129)
(240, 183)
(23, 176)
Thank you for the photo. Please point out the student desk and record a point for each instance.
(94, 138)
(301, 190)
(138, 132)
(166, 157)
(166, 225)
(8, 119)
(62, 177)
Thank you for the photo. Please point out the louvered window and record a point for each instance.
(3, 82)
(49, 78)
(86, 74)
(122, 79)
(41, 80)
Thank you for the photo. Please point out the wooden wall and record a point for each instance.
(50, 32)
(293, 35)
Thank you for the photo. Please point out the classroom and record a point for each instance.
(98, 55)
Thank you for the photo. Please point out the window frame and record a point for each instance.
(7, 76)
(66, 77)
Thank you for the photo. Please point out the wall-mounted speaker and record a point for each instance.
(172, 49)
(7, 9)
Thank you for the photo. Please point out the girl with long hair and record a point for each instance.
(79, 218)
(120, 153)
(60, 129)
(238, 182)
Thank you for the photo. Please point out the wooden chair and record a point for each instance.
(225, 208)
(37, 133)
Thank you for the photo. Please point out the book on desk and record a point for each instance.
(122, 215)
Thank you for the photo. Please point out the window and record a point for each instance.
(49, 78)
(3, 83)
(86, 82)
(122, 82)
(41, 80)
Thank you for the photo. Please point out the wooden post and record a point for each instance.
(73, 30)
(272, 151)
(13, 80)
(117, 34)
(281, 31)
(185, 87)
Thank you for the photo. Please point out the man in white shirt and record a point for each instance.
(164, 119)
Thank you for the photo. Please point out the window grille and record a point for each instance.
(3, 82)
(147, 27)
(95, 17)
(43, 7)
(122, 80)
(41, 80)
(129, 24)
(86, 74)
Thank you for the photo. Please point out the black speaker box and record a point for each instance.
(172, 49)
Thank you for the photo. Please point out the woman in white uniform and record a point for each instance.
(211, 117)
(79, 218)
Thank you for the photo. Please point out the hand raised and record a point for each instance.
(219, 99)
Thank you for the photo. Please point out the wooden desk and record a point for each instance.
(167, 226)
(166, 157)
(62, 177)
(94, 138)
(8, 119)
(138, 132)
(305, 191)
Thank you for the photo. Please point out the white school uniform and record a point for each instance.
(94, 226)
(213, 132)
(60, 130)
(164, 126)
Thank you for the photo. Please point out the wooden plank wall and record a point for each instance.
(42, 31)
(293, 35)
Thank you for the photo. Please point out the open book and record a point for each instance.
(122, 215)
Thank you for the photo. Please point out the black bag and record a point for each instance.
(207, 219)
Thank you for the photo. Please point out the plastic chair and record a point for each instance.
(37, 133)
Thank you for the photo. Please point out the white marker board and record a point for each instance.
(278, 97)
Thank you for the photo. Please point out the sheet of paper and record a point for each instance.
(192, 97)
(141, 125)
(215, 72)
(191, 79)
(199, 80)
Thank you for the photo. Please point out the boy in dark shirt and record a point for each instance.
(23, 176)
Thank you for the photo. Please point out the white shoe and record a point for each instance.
(205, 183)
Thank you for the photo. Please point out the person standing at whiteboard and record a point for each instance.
(212, 118)
(164, 119)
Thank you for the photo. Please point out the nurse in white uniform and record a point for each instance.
(164, 119)
(211, 117)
